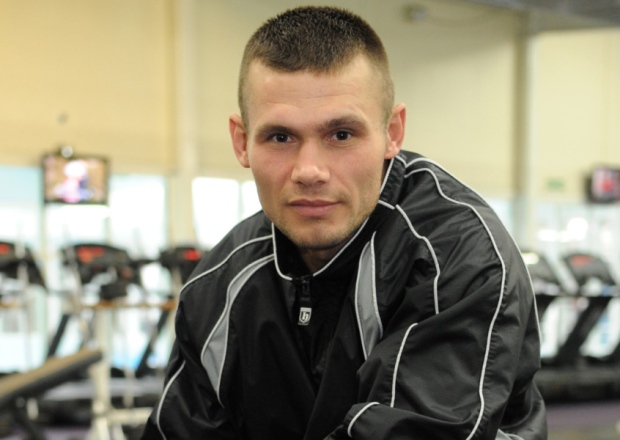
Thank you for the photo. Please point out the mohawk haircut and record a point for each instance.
(318, 40)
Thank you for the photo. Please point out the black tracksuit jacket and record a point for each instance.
(423, 327)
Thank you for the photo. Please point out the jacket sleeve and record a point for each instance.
(188, 407)
(463, 372)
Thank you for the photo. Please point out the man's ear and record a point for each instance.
(239, 139)
(396, 130)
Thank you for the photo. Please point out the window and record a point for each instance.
(219, 204)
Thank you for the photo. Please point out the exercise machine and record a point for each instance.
(102, 273)
(107, 284)
(180, 261)
(571, 372)
(21, 281)
(18, 388)
(546, 283)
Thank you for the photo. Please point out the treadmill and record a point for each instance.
(571, 374)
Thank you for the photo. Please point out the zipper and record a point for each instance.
(305, 301)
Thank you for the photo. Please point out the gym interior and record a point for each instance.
(117, 176)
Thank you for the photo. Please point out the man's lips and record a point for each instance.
(312, 208)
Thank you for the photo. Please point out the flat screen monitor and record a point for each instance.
(603, 185)
(75, 180)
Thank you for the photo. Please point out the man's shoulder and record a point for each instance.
(427, 182)
(248, 240)
(437, 203)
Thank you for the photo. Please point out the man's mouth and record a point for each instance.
(312, 207)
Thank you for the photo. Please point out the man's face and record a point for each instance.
(316, 145)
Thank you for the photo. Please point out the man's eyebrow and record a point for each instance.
(350, 121)
(345, 121)
(271, 129)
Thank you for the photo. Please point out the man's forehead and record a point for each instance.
(260, 76)
(265, 84)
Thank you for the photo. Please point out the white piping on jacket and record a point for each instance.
(324, 268)
(432, 251)
(213, 353)
(354, 419)
(176, 374)
(225, 260)
(501, 295)
(161, 401)
(400, 352)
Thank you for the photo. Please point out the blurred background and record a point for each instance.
(117, 174)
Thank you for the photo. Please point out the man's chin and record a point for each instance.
(315, 244)
(317, 237)
(318, 240)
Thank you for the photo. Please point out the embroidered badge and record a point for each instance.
(304, 315)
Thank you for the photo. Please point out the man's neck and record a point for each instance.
(316, 259)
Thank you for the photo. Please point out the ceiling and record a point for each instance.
(564, 14)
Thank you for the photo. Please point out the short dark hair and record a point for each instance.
(319, 40)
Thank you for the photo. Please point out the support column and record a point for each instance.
(525, 153)
(180, 213)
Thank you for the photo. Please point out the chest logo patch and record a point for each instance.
(304, 315)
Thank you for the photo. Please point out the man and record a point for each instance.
(375, 296)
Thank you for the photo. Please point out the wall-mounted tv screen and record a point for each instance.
(603, 185)
(75, 179)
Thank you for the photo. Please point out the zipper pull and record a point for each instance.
(305, 302)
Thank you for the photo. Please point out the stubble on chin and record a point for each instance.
(320, 236)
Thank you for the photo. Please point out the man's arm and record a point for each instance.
(463, 373)
(188, 407)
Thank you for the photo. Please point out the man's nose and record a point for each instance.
(311, 164)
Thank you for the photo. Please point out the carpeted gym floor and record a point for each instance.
(599, 420)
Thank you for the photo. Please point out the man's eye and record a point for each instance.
(280, 138)
(342, 135)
